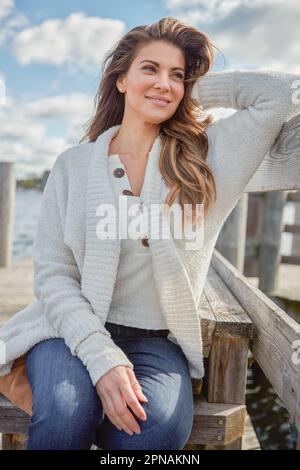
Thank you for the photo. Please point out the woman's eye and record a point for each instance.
(148, 67)
(179, 75)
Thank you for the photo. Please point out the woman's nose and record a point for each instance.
(163, 83)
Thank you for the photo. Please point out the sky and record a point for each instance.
(51, 55)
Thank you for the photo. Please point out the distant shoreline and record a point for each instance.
(33, 183)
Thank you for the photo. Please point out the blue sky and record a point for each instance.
(21, 76)
(51, 54)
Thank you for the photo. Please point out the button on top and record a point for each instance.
(119, 172)
(127, 192)
(145, 242)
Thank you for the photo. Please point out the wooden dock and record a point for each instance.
(16, 289)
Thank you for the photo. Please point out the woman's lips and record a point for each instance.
(160, 103)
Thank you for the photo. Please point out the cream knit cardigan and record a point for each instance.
(75, 271)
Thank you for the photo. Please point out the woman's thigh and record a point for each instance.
(162, 371)
(65, 405)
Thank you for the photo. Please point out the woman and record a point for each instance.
(116, 322)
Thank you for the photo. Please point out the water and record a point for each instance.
(26, 212)
(269, 417)
(268, 414)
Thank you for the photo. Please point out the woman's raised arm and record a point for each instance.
(264, 100)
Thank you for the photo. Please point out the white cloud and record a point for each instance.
(2, 89)
(78, 40)
(25, 131)
(6, 7)
(11, 25)
(58, 106)
(10, 20)
(215, 9)
(250, 33)
(34, 132)
(32, 152)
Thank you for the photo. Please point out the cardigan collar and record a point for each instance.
(100, 191)
(102, 255)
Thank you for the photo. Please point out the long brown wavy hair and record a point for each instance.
(184, 140)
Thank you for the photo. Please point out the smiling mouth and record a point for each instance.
(158, 101)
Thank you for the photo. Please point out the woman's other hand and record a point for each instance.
(116, 392)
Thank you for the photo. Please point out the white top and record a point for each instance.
(135, 299)
(75, 270)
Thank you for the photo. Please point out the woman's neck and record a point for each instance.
(132, 143)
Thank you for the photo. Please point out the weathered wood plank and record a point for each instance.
(16, 288)
(231, 318)
(295, 229)
(269, 252)
(227, 375)
(231, 241)
(293, 196)
(12, 419)
(228, 360)
(7, 199)
(290, 260)
(227, 371)
(216, 423)
(276, 336)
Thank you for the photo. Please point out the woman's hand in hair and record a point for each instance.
(116, 393)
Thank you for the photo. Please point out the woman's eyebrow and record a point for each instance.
(157, 64)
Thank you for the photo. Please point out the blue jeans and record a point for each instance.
(67, 411)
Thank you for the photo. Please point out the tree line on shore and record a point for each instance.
(33, 182)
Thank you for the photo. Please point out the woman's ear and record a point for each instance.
(120, 84)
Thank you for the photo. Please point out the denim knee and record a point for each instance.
(66, 407)
(72, 428)
(169, 431)
(170, 416)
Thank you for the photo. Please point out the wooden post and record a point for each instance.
(296, 239)
(228, 359)
(269, 253)
(227, 375)
(298, 440)
(7, 196)
(232, 238)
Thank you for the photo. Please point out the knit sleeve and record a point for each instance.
(57, 285)
(263, 100)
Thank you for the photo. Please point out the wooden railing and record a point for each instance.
(276, 343)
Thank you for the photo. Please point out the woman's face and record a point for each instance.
(145, 79)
